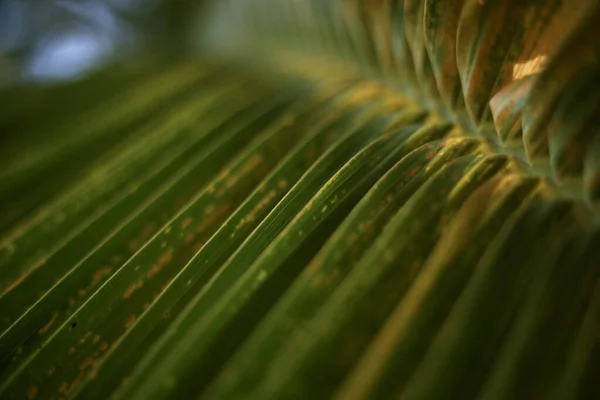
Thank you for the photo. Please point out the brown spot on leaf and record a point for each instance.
(311, 153)
(323, 280)
(14, 284)
(129, 321)
(212, 218)
(133, 245)
(148, 230)
(351, 239)
(189, 237)
(261, 205)
(62, 388)
(288, 119)
(160, 264)
(313, 265)
(87, 363)
(413, 171)
(104, 346)
(244, 171)
(32, 392)
(198, 246)
(186, 222)
(71, 350)
(45, 328)
(74, 385)
(130, 291)
(99, 274)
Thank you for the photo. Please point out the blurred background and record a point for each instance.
(51, 41)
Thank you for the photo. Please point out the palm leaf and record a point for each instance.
(339, 199)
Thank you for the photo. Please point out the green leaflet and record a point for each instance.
(583, 362)
(415, 37)
(43, 170)
(573, 126)
(332, 263)
(500, 41)
(334, 336)
(89, 231)
(142, 277)
(452, 56)
(440, 23)
(27, 245)
(564, 284)
(591, 173)
(507, 109)
(136, 101)
(351, 15)
(90, 272)
(54, 105)
(571, 59)
(151, 324)
(394, 353)
(378, 23)
(282, 224)
(478, 315)
(251, 273)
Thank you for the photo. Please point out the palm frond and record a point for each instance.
(342, 199)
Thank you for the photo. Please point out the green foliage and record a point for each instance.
(348, 199)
